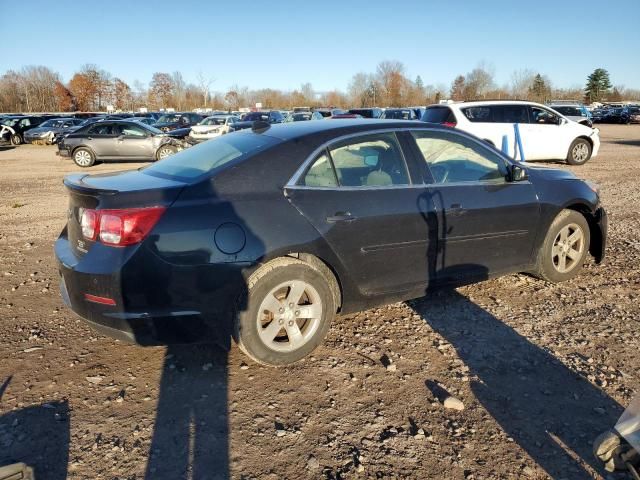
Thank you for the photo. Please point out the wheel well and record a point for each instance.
(327, 271)
(595, 236)
(73, 152)
(587, 139)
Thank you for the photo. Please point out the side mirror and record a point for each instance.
(563, 121)
(517, 173)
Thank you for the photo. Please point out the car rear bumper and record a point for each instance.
(159, 306)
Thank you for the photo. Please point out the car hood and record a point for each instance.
(37, 130)
(550, 173)
(205, 128)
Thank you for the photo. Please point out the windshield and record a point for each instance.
(213, 121)
(51, 123)
(169, 118)
(208, 156)
(10, 122)
(634, 110)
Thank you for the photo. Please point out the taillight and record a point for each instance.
(119, 227)
(449, 124)
(89, 223)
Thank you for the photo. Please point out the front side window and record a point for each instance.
(541, 116)
(133, 131)
(369, 161)
(453, 158)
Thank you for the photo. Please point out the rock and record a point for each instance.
(360, 468)
(32, 349)
(280, 432)
(95, 380)
(453, 403)
(312, 463)
(391, 367)
(244, 366)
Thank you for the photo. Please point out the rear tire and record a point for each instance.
(565, 247)
(579, 152)
(288, 311)
(83, 157)
(16, 139)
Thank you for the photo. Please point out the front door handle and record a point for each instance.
(341, 217)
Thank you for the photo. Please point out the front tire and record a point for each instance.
(565, 247)
(16, 139)
(579, 152)
(165, 151)
(83, 157)
(288, 311)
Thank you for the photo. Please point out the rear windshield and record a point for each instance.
(208, 156)
(438, 115)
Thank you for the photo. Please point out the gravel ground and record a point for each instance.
(538, 369)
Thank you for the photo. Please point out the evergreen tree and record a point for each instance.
(539, 90)
(598, 85)
(458, 88)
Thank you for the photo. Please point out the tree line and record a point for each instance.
(38, 89)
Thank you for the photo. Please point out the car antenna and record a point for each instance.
(260, 126)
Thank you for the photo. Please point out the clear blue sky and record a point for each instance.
(281, 44)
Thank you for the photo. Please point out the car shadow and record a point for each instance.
(37, 435)
(549, 410)
(191, 433)
(6, 147)
(632, 143)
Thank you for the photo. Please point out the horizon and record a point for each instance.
(328, 53)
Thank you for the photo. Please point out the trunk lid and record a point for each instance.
(130, 189)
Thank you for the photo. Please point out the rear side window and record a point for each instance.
(478, 114)
(321, 173)
(102, 129)
(453, 158)
(439, 115)
(510, 114)
(208, 156)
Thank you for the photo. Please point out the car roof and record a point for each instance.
(288, 131)
(482, 103)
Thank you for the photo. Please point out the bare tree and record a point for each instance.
(205, 83)
(521, 83)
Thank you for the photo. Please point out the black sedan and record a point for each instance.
(173, 121)
(265, 234)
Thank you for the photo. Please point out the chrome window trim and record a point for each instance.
(292, 183)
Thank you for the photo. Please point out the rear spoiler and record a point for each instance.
(74, 182)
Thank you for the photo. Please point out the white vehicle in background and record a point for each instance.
(213, 126)
(545, 134)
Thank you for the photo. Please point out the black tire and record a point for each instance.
(160, 154)
(549, 262)
(16, 139)
(261, 285)
(579, 152)
(83, 157)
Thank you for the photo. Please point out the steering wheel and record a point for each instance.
(440, 173)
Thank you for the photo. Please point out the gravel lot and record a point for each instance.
(540, 369)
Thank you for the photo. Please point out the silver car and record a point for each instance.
(117, 140)
(46, 132)
(576, 112)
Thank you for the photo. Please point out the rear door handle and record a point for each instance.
(341, 217)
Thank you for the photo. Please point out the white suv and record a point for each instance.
(545, 134)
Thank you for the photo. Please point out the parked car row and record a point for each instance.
(625, 115)
(558, 131)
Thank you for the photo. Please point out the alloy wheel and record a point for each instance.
(164, 153)
(568, 248)
(289, 316)
(580, 152)
(82, 158)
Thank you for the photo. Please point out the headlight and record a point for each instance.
(593, 186)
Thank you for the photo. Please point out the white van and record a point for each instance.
(545, 134)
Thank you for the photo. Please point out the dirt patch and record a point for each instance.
(540, 369)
